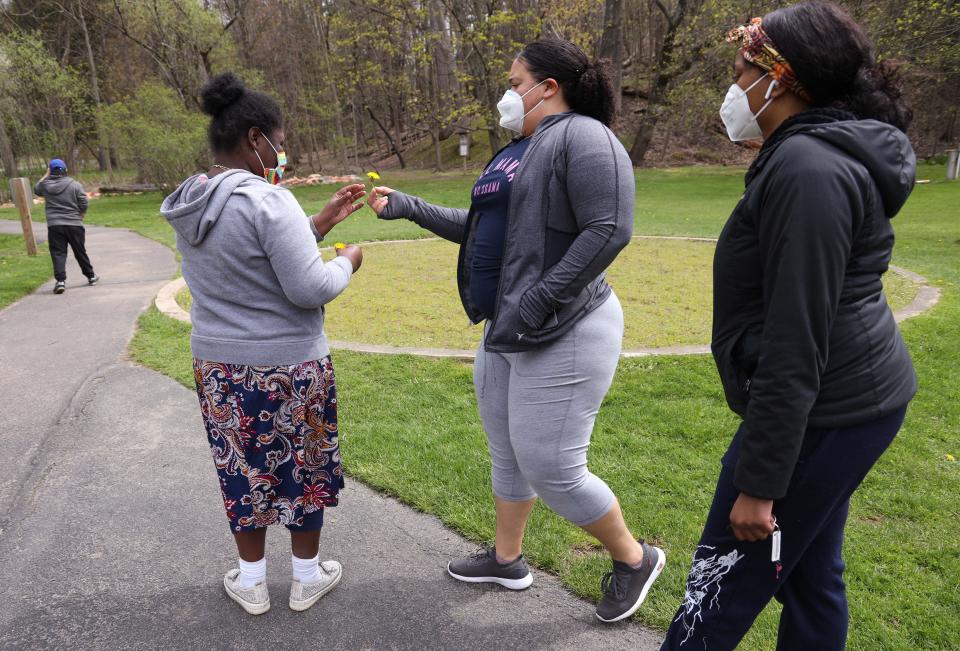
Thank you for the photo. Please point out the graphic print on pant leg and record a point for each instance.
(703, 584)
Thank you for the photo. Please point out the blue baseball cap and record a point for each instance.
(57, 164)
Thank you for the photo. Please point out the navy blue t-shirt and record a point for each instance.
(491, 198)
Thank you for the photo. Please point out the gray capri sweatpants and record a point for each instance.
(538, 408)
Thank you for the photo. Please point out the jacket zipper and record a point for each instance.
(506, 229)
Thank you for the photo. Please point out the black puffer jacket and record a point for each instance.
(802, 333)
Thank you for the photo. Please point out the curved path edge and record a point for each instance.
(927, 296)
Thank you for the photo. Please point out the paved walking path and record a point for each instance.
(112, 533)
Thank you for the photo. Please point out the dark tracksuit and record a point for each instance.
(65, 207)
(811, 358)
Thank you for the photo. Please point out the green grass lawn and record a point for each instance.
(406, 295)
(20, 273)
(410, 428)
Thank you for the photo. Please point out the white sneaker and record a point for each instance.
(254, 600)
(304, 595)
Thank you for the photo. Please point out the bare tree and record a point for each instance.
(611, 45)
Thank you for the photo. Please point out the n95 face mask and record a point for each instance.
(511, 109)
(741, 123)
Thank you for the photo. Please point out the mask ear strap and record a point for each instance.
(275, 150)
(257, 154)
(534, 87)
(759, 79)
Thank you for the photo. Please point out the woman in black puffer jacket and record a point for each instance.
(807, 348)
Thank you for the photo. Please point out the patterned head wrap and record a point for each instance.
(760, 50)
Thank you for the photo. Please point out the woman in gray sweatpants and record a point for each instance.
(548, 215)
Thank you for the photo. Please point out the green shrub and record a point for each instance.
(163, 139)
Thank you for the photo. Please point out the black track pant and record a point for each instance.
(58, 238)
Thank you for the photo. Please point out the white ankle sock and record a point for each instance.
(306, 570)
(252, 573)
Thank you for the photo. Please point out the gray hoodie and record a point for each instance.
(251, 262)
(65, 201)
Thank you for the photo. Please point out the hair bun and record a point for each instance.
(220, 92)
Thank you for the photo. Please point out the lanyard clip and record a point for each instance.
(775, 543)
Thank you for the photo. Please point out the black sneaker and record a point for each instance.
(483, 567)
(93, 280)
(60, 287)
(625, 588)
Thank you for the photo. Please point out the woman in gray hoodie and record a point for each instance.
(262, 365)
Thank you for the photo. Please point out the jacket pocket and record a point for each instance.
(744, 355)
(736, 362)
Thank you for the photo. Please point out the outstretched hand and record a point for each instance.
(378, 199)
(341, 205)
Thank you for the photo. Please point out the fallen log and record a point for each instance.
(129, 189)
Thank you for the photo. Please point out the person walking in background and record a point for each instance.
(262, 366)
(549, 214)
(65, 205)
(807, 347)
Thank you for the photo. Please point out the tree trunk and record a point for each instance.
(315, 163)
(341, 144)
(642, 142)
(69, 141)
(103, 161)
(435, 134)
(356, 137)
(611, 46)
(664, 74)
(6, 152)
(493, 131)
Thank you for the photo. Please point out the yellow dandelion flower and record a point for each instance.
(951, 458)
(373, 176)
(339, 245)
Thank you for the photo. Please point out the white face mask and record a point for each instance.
(511, 109)
(740, 122)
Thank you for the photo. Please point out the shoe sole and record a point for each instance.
(661, 562)
(253, 609)
(59, 290)
(300, 606)
(512, 584)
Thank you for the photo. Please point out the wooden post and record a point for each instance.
(953, 164)
(23, 198)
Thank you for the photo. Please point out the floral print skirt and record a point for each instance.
(273, 434)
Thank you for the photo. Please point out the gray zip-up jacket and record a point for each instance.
(65, 202)
(251, 262)
(570, 214)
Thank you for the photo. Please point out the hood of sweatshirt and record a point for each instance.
(194, 207)
(54, 185)
(881, 148)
